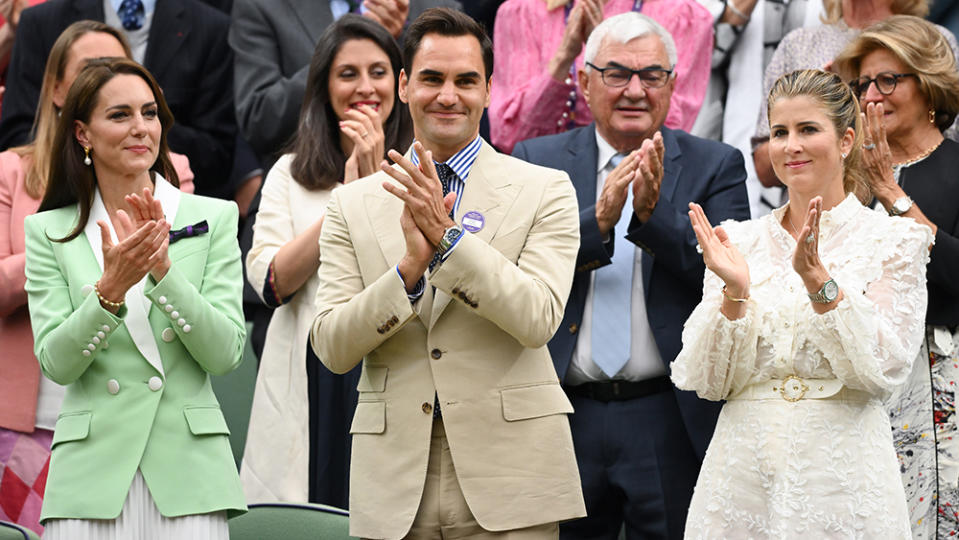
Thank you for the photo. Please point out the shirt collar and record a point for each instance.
(462, 161)
(606, 152)
(148, 5)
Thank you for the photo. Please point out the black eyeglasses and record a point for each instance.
(885, 82)
(617, 76)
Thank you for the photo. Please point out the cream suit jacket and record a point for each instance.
(478, 342)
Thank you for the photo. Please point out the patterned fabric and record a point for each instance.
(810, 468)
(923, 418)
(24, 458)
(447, 177)
(131, 14)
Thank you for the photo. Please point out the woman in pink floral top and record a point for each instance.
(534, 89)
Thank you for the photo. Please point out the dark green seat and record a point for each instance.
(287, 521)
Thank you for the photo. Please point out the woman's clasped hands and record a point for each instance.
(364, 128)
(143, 237)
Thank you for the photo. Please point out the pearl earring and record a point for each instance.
(86, 158)
(844, 155)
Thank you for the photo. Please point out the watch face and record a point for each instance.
(901, 206)
(830, 290)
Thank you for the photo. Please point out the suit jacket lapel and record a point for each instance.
(672, 168)
(489, 192)
(313, 16)
(581, 165)
(168, 31)
(138, 305)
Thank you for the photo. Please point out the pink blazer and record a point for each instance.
(19, 369)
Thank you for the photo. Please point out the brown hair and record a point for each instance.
(445, 22)
(842, 108)
(919, 8)
(920, 46)
(45, 121)
(318, 160)
(69, 180)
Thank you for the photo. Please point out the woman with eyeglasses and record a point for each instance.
(810, 317)
(905, 77)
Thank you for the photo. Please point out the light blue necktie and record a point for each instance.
(612, 296)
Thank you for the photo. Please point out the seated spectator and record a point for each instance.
(539, 48)
(9, 19)
(352, 115)
(273, 47)
(31, 402)
(187, 53)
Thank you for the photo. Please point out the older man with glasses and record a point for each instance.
(639, 442)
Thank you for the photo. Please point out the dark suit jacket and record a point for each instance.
(695, 170)
(188, 55)
(273, 41)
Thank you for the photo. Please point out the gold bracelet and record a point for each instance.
(114, 305)
(737, 300)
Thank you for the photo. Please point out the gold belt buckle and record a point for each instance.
(793, 388)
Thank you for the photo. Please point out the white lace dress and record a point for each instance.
(813, 468)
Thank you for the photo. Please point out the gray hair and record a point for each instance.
(626, 27)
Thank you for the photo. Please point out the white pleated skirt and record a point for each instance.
(140, 520)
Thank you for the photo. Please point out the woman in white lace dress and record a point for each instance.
(810, 316)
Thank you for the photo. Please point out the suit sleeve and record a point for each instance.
(24, 77)
(526, 299)
(350, 313)
(212, 329)
(668, 236)
(207, 132)
(267, 102)
(66, 338)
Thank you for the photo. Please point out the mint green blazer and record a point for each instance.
(138, 387)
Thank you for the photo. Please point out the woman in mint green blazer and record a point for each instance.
(134, 294)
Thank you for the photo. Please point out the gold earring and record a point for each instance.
(932, 116)
(86, 156)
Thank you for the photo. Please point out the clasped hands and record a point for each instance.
(641, 171)
(724, 259)
(143, 236)
(426, 211)
(364, 128)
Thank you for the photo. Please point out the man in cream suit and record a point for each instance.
(451, 316)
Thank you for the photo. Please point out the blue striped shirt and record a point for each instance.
(461, 163)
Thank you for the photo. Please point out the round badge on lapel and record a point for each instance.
(473, 221)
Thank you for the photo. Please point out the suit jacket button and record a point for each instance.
(168, 335)
(155, 383)
(427, 408)
(113, 386)
(573, 328)
(381, 330)
(395, 319)
(455, 291)
(436, 354)
(187, 328)
(462, 295)
(86, 290)
(162, 299)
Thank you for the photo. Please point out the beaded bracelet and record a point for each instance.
(737, 300)
(736, 12)
(114, 305)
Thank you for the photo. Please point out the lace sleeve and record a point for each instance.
(719, 355)
(871, 338)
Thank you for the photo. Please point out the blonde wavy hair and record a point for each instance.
(840, 106)
(920, 47)
(919, 8)
(39, 151)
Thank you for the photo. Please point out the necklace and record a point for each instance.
(791, 226)
(922, 155)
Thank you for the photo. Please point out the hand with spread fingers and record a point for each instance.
(806, 261)
(609, 206)
(649, 178)
(389, 13)
(365, 130)
(138, 251)
(876, 156)
(423, 194)
(584, 16)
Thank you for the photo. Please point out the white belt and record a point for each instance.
(793, 388)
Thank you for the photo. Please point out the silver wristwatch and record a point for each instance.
(450, 235)
(900, 206)
(827, 293)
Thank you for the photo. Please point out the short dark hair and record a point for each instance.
(318, 161)
(445, 22)
(70, 181)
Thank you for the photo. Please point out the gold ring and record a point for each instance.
(810, 238)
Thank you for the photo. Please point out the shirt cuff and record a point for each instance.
(417, 290)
